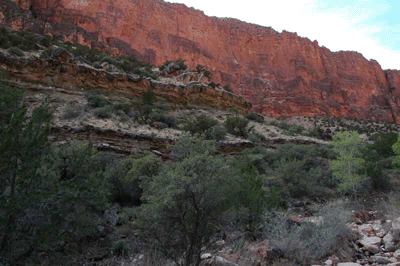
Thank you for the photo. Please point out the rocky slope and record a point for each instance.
(280, 73)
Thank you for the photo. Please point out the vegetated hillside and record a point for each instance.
(109, 161)
(281, 74)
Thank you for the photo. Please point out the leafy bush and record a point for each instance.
(183, 204)
(143, 112)
(228, 88)
(347, 167)
(149, 97)
(200, 68)
(95, 100)
(104, 112)
(283, 125)
(15, 51)
(23, 40)
(307, 243)
(120, 248)
(124, 107)
(255, 117)
(126, 175)
(255, 137)
(163, 66)
(181, 63)
(72, 111)
(206, 73)
(202, 124)
(169, 120)
(47, 53)
(296, 171)
(250, 193)
(295, 129)
(237, 126)
(216, 132)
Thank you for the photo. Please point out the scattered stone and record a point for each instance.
(397, 254)
(205, 256)
(379, 259)
(348, 264)
(388, 242)
(373, 249)
(62, 54)
(134, 77)
(396, 230)
(374, 240)
(394, 264)
(109, 67)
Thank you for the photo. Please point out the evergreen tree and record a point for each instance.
(23, 145)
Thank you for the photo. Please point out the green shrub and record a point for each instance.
(297, 171)
(228, 88)
(149, 97)
(255, 117)
(206, 73)
(308, 243)
(185, 201)
(200, 68)
(163, 66)
(181, 63)
(296, 129)
(250, 197)
(283, 125)
(216, 132)
(237, 126)
(125, 176)
(47, 53)
(124, 107)
(95, 100)
(121, 248)
(15, 51)
(169, 120)
(255, 137)
(103, 112)
(142, 113)
(72, 111)
(200, 125)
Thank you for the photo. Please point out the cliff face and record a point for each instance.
(280, 73)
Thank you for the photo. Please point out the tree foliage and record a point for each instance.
(183, 202)
(347, 167)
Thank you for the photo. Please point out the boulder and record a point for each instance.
(388, 242)
(374, 240)
(396, 230)
(62, 55)
(109, 67)
(373, 249)
(396, 254)
(134, 77)
(379, 260)
(348, 264)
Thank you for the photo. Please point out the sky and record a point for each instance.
(371, 27)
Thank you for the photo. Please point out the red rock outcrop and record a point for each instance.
(68, 74)
(282, 74)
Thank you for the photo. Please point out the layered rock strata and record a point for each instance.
(282, 74)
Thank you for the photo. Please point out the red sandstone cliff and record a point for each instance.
(280, 73)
